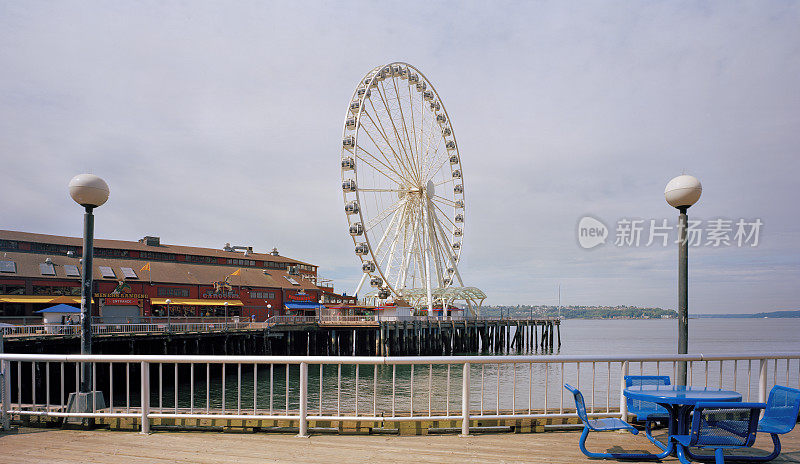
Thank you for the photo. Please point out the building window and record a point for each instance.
(262, 295)
(274, 265)
(12, 289)
(170, 291)
(49, 290)
(107, 272)
(9, 244)
(128, 273)
(201, 259)
(8, 266)
(12, 309)
(53, 248)
(71, 270)
(156, 256)
(110, 253)
(47, 269)
(241, 262)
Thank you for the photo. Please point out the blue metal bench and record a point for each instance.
(780, 417)
(646, 411)
(604, 425)
(719, 426)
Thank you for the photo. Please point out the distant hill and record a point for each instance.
(771, 314)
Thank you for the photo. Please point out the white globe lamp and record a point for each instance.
(88, 190)
(683, 191)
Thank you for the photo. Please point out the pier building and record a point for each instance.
(145, 278)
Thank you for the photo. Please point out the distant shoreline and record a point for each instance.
(623, 312)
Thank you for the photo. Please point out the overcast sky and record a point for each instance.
(221, 122)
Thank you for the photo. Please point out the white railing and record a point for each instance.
(390, 389)
(349, 319)
(125, 328)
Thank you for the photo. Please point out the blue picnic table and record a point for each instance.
(679, 401)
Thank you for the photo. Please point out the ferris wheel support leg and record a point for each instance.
(428, 268)
(360, 284)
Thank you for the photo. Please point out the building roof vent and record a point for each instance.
(150, 240)
(274, 252)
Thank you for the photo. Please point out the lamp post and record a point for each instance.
(90, 192)
(226, 314)
(269, 309)
(169, 321)
(682, 192)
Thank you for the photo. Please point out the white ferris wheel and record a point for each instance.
(403, 190)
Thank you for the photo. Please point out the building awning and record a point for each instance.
(39, 299)
(304, 306)
(60, 308)
(195, 302)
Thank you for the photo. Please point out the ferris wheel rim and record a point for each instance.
(453, 255)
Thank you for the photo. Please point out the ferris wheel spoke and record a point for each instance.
(373, 190)
(381, 130)
(390, 256)
(401, 149)
(428, 156)
(444, 201)
(413, 126)
(378, 146)
(438, 168)
(447, 181)
(445, 215)
(408, 253)
(415, 169)
(433, 240)
(376, 168)
(382, 216)
(377, 249)
(402, 117)
(433, 157)
(440, 251)
(451, 259)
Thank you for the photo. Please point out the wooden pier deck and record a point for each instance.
(30, 446)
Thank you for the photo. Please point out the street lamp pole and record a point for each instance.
(682, 192)
(169, 315)
(90, 192)
(86, 295)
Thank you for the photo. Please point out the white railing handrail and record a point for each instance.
(480, 380)
(390, 360)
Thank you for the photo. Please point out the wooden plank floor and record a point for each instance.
(29, 446)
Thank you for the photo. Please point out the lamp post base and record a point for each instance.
(84, 402)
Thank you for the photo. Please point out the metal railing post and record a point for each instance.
(304, 400)
(465, 401)
(5, 384)
(145, 397)
(623, 404)
(762, 381)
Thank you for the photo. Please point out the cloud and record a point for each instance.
(217, 123)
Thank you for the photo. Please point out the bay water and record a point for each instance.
(387, 390)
